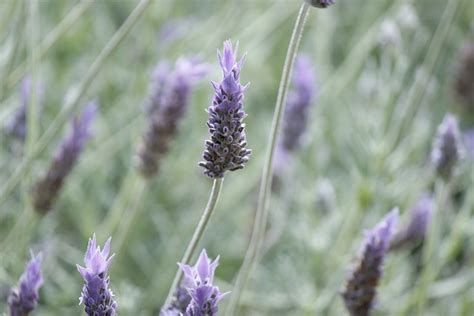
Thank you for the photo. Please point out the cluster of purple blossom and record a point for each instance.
(226, 150)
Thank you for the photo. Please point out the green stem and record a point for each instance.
(430, 255)
(74, 102)
(130, 214)
(258, 233)
(32, 106)
(201, 227)
(122, 199)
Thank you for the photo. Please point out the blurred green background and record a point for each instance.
(384, 72)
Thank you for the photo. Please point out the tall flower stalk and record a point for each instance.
(261, 215)
(225, 150)
(445, 155)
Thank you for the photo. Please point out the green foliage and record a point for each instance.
(381, 98)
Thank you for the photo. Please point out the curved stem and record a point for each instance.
(258, 233)
(201, 227)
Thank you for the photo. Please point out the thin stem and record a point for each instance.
(74, 102)
(122, 199)
(32, 106)
(130, 214)
(430, 255)
(258, 232)
(201, 227)
(17, 29)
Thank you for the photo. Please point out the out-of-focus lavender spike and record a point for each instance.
(463, 83)
(16, 127)
(96, 296)
(198, 281)
(226, 149)
(447, 147)
(295, 119)
(360, 289)
(48, 187)
(300, 98)
(321, 3)
(469, 142)
(416, 228)
(325, 196)
(170, 91)
(24, 299)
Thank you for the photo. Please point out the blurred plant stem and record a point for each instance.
(51, 38)
(198, 233)
(125, 193)
(130, 214)
(73, 103)
(32, 115)
(32, 106)
(431, 254)
(261, 216)
(17, 28)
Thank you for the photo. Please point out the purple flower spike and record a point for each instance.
(463, 83)
(96, 296)
(295, 119)
(415, 230)
(17, 126)
(447, 147)
(170, 92)
(360, 290)
(198, 282)
(469, 141)
(321, 3)
(225, 150)
(48, 187)
(24, 299)
(299, 100)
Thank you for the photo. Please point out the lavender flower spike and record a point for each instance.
(198, 282)
(468, 137)
(463, 83)
(170, 91)
(48, 187)
(96, 295)
(225, 151)
(447, 147)
(321, 3)
(295, 119)
(415, 230)
(24, 299)
(299, 101)
(360, 290)
(17, 126)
